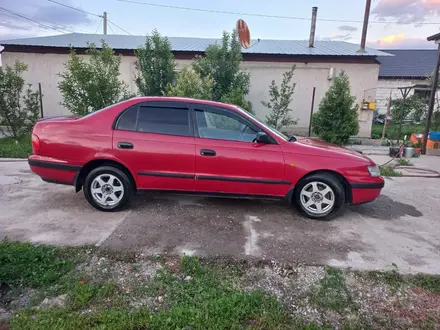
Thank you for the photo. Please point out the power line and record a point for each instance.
(99, 25)
(35, 21)
(119, 27)
(111, 29)
(74, 8)
(87, 12)
(264, 15)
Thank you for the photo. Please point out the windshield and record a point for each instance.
(262, 123)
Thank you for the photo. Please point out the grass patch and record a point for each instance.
(23, 264)
(63, 319)
(428, 282)
(195, 296)
(405, 162)
(392, 131)
(207, 299)
(15, 148)
(332, 293)
(392, 278)
(84, 294)
(111, 293)
(389, 171)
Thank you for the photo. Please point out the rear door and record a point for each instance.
(227, 159)
(155, 139)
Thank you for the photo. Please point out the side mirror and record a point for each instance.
(262, 138)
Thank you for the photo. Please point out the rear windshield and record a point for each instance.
(103, 109)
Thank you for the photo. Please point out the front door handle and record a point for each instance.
(125, 145)
(207, 152)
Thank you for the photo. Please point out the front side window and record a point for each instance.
(164, 120)
(269, 128)
(214, 125)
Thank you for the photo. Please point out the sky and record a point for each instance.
(394, 24)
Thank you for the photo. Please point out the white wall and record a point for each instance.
(44, 68)
(385, 87)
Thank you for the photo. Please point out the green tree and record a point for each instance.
(190, 84)
(337, 118)
(400, 109)
(155, 64)
(280, 99)
(91, 85)
(19, 106)
(222, 63)
(418, 107)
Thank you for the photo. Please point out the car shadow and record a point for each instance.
(385, 208)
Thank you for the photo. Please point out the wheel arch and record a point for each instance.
(87, 168)
(339, 176)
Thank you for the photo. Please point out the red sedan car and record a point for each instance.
(199, 147)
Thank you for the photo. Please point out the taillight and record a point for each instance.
(35, 143)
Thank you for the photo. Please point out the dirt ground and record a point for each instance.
(400, 229)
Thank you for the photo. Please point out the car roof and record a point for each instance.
(183, 99)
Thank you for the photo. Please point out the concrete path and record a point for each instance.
(402, 227)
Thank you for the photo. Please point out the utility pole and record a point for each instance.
(104, 17)
(365, 27)
(431, 102)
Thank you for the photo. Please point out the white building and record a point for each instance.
(266, 60)
(407, 68)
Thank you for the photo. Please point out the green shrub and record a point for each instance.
(19, 107)
(337, 118)
(87, 86)
(280, 99)
(221, 63)
(190, 84)
(156, 66)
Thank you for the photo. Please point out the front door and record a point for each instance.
(155, 139)
(227, 159)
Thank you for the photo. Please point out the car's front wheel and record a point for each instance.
(320, 196)
(107, 188)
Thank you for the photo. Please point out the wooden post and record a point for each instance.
(311, 111)
(431, 102)
(386, 116)
(41, 100)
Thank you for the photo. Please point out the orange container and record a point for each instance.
(414, 139)
(433, 144)
(429, 145)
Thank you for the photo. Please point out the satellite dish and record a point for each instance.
(243, 34)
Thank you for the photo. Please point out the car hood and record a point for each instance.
(332, 150)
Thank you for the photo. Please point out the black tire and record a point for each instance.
(126, 183)
(332, 182)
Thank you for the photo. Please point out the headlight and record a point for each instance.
(374, 170)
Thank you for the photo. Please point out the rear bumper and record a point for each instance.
(364, 192)
(51, 170)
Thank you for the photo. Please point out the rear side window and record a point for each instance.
(127, 122)
(164, 120)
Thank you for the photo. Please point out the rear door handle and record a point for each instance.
(207, 152)
(125, 145)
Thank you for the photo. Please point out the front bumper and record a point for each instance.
(366, 191)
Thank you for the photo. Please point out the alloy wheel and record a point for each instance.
(317, 198)
(107, 190)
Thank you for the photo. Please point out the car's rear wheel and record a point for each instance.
(320, 196)
(107, 188)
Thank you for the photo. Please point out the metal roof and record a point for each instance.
(408, 63)
(434, 37)
(280, 47)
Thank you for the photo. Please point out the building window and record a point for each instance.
(423, 91)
